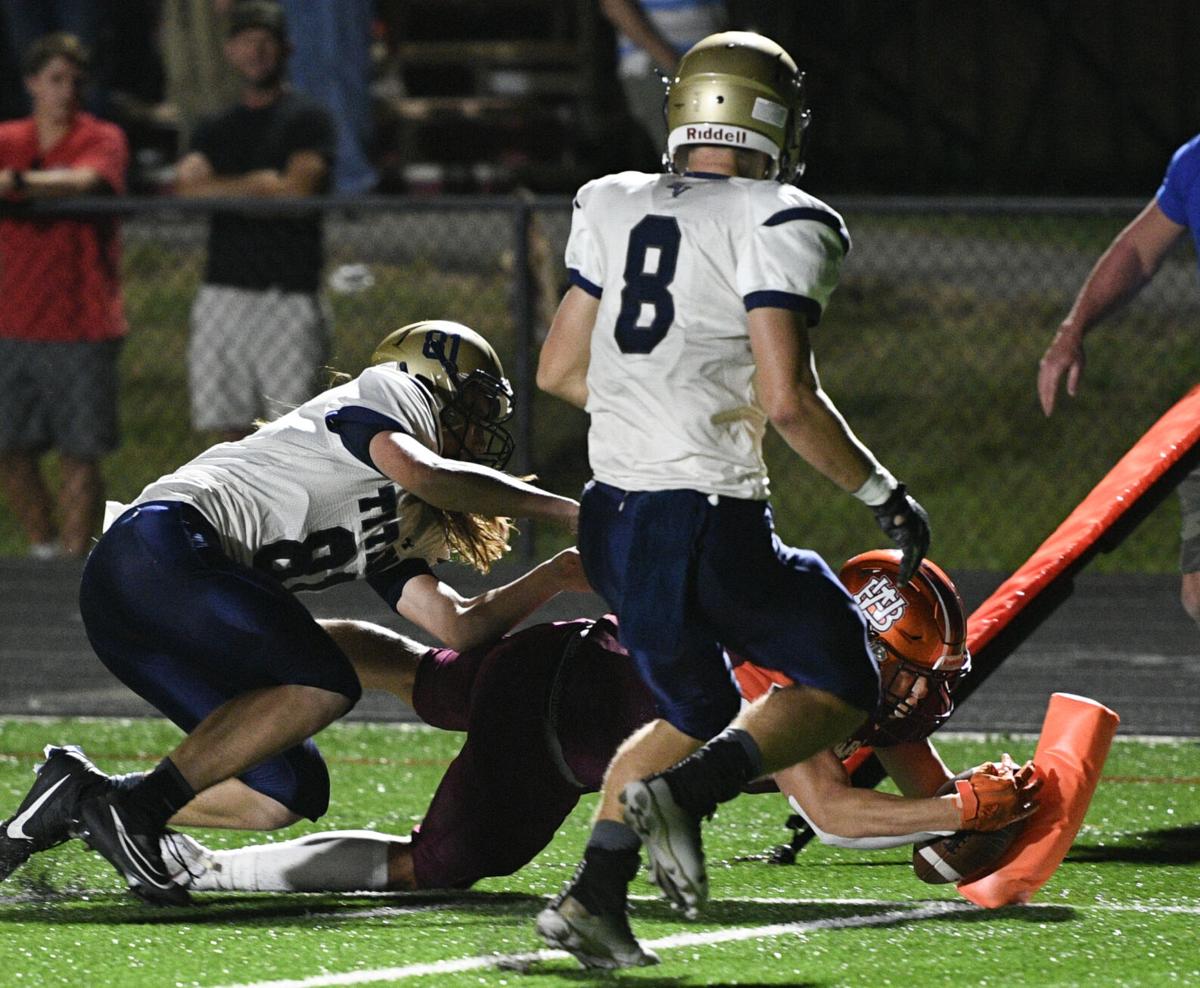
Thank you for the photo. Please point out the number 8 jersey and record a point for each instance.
(677, 261)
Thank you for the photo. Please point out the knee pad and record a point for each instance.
(297, 778)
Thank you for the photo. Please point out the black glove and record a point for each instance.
(905, 522)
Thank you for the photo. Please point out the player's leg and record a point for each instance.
(638, 552)
(227, 654)
(331, 861)
(1189, 549)
(794, 616)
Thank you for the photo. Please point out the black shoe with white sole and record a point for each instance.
(108, 827)
(671, 838)
(598, 941)
(44, 818)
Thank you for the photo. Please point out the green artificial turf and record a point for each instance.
(1122, 909)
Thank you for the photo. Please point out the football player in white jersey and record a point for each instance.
(684, 333)
(187, 596)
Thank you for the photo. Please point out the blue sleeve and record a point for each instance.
(1180, 188)
(356, 427)
(389, 584)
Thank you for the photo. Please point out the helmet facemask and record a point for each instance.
(473, 418)
(463, 372)
(914, 700)
(917, 633)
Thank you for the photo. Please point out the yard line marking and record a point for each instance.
(522, 961)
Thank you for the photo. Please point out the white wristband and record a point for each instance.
(877, 488)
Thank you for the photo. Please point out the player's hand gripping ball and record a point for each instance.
(995, 801)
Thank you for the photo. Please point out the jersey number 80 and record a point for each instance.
(642, 287)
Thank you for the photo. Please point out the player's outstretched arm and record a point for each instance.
(454, 485)
(1130, 262)
(800, 410)
(844, 816)
(464, 622)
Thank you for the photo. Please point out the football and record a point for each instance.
(963, 856)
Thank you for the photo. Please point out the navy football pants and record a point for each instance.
(690, 575)
(187, 628)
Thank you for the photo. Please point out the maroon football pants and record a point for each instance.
(544, 711)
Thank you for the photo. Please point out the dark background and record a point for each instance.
(1036, 97)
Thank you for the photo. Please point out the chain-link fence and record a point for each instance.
(929, 347)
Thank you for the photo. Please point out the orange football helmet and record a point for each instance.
(918, 633)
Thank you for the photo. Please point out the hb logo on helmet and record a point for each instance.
(881, 602)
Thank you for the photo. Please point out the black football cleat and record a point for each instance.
(107, 827)
(44, 818)
(599, 942)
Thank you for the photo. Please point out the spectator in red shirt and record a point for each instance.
(61, 314)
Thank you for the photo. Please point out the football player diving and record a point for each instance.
(545, 708)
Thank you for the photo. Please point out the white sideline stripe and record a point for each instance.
(706, 938)
(665, 943)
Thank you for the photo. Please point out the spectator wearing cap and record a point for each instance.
(259, 328)
(61, 312)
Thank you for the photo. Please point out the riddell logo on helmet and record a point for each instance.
(723, 135)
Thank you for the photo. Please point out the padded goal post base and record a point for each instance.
(1076, 736)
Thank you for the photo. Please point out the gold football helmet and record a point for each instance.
(462, 370)
(740, 89)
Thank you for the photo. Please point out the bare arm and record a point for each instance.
(463, 622)
(383, 659)
(1130, 262)
(915, 767)
(456, 486)
(563, 363)
(628, 17)
(840, 813)
(791, 395)
(304, 175)
(53, 183)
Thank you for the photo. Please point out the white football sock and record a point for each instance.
(334, 861)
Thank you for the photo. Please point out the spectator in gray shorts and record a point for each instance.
(259, 330)
(61, 312)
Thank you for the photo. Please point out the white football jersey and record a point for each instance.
(292, 500)
(676, 262)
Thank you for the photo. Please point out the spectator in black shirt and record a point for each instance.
(260, 332)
